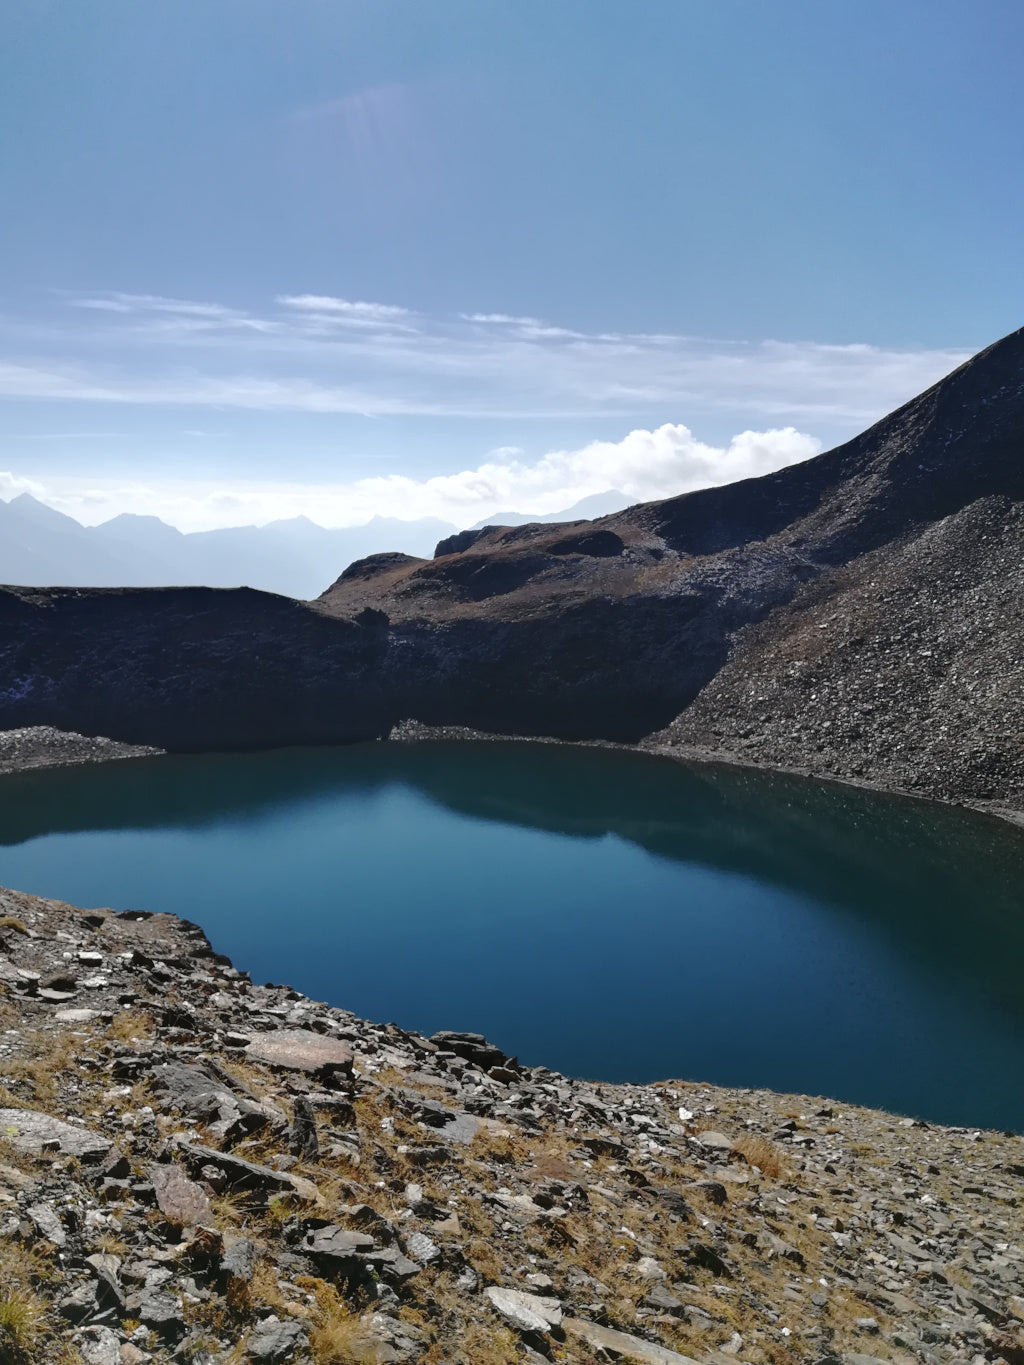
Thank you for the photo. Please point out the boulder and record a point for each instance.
(99, 1346)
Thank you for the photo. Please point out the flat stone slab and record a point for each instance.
(621, 1343)
(300, 1049)
(526, 1312)
(30, 1131)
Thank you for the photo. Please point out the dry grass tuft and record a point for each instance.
(129, 1025)
(47, 1056)
(22, 1267)
(262, 1290)
(229, 1210)
(487, 1345)
(758, 1151)
(22, 1325)
(337, 1335)
(482, 1257)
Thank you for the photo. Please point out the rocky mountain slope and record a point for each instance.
(201, 1170)
(856, 615)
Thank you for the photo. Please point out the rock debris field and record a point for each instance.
(196, 1168)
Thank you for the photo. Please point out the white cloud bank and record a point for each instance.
(643, 465)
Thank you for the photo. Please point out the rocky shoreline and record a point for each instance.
(41, 746)
(198, 1168)
(759, 760)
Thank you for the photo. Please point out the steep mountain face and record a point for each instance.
(817, 617)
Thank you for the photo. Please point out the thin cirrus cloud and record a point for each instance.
(318, 353)
(324, 303)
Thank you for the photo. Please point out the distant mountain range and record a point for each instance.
(40, 547)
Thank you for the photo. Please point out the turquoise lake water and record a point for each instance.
(607, 914)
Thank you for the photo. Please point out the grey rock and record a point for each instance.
(48, 1224)
(302, 1138)
(179, 1199)
(525, 1312)
(161, 1312)
(392, 1264)
(99, 1346)
(238, 1263)
(471, 1047)
(33, 1132)
(661, 1297)
(623, 1344)
(338, 1243)
(422, 1249)
(272, 1341)
(711, 1189)
(467, 1280)
(200, 1093)
(81, 1304)
(108, 1292)
(461, 1128)
(245, 1175)
(714, 1142)
(399, 1342)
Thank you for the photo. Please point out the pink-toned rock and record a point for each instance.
(300, 1049)
(180, 1200)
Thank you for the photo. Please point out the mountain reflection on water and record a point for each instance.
(606, 913)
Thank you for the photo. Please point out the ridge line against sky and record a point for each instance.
(322, 356)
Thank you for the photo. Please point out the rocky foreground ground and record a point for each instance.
(196, 1168)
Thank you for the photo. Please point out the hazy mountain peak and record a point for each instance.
(29, 511)
(594, 505)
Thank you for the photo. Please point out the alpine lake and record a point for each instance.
(608, 914)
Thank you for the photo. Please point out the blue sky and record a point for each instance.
(446, 256)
